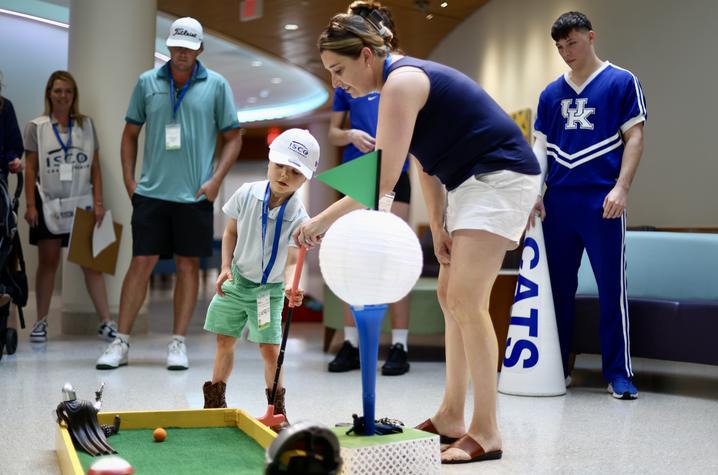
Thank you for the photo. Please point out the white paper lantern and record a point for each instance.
(370, 258)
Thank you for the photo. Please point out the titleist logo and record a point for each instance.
(182, 32)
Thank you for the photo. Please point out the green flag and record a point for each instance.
(356, 178)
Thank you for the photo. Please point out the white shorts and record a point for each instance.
(497, 202)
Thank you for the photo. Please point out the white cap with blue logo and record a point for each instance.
(296, 148)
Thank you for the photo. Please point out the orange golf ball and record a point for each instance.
(159, 434)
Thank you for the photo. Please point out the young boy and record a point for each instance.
(258, 260)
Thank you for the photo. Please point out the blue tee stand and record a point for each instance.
(368, 319)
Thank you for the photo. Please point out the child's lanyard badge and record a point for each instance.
(65, 168)
(263, 303)
(173, 132)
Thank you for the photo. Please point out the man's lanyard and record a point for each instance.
(277, 232)
(178, 100)
(65, 146)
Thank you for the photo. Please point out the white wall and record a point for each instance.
(506, 46)
(29, 52)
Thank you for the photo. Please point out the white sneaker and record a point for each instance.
(114, 356)
(177, 355)
(107, 331)
(39, 331)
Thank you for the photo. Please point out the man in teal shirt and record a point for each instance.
(184, 106)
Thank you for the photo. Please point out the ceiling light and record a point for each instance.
(444, 4)
(259, 113)
(264, 93)
(158, 56)
(291, 27)
(251, 100)
(276, 80)
(34, 18)
(256, 63)
(429, 16)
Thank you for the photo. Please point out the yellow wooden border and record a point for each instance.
(66, 454)
(70, 462)
(262, 434)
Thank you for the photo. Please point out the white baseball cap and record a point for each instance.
(296, 148)
(185, 33)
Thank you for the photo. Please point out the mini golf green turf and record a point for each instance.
(186, 451)
(353, 441)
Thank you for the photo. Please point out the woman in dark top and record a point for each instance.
(11, 149)
(10, 139)
(466, 144)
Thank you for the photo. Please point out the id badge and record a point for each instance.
(173, 137)
(264, 315)
(65, 172)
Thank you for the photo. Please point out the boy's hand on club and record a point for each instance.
(295, 298)
(223, 276)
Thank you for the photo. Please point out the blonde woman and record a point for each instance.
(62, 173)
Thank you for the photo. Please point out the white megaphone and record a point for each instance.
(532, 363)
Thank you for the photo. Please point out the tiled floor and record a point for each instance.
(672, 428)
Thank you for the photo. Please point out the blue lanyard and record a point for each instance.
(277, 232)
(387, 63)
(64, 146)
(177, 101)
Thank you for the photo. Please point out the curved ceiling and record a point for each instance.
(421, 24)
(276, 73)
(265, 87)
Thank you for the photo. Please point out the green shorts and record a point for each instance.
(229, 315)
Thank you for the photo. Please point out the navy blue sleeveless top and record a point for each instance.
(461, 131)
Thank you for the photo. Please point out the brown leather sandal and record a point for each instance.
(472, 448)
(428, 426)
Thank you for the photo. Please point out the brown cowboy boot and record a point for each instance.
(278, 407)
(214, 394)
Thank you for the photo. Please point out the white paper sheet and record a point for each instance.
(103, 235)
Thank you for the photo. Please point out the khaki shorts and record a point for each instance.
(229, 315)
(497, 202)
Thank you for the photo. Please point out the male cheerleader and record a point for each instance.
(589, 140)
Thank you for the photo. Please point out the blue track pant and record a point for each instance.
(573, 222)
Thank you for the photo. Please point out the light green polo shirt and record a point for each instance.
(207, 108)
(245, 206)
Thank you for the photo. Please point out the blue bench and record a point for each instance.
(672, 297)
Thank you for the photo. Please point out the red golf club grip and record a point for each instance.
(298, 270)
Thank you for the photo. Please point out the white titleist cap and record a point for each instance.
(185, 33)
